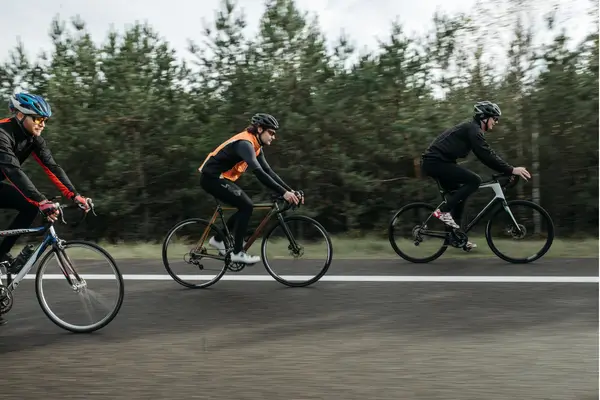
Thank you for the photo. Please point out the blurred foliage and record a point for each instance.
(132, 123)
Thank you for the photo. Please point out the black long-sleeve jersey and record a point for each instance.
(460, 140)
(16, 146)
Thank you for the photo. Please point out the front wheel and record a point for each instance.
(68, 271)
(297, 237)
(523, 229)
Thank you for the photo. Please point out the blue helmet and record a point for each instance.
(29, 104)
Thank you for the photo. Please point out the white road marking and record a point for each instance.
(348, 278)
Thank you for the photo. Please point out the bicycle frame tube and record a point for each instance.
(28, 231)
(263, 223)
(498, 198)
(49, 239)
(219, 213)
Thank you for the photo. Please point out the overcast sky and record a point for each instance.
(180, 20)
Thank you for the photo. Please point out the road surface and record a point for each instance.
(483, 339)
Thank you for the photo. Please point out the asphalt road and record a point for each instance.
(334, 340)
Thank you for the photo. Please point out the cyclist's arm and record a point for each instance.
(246, 152)
(57, 175)
(10, 168)
(485, 154)
(267, 168)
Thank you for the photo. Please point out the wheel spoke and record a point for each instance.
(524, 242)
(189, 258)
(77, 259)
(415, 236)
(297, 253)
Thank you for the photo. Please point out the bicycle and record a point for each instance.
(497, 207)
(199, 253)
(58, 247)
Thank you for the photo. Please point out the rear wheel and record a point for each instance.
(189, 258)
(410, 231)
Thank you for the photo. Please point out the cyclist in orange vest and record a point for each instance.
(224, 165)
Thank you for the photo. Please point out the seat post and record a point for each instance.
(442, 192)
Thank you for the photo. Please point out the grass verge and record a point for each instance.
(378, 248)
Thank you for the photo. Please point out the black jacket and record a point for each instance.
(459, 141)
(16, 146)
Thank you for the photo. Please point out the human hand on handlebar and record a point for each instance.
(83, 202)
(522, 172)
(49, 210)
(300, 195)
(291, 197)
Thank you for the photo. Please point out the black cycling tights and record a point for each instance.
(10, 198)
(230, 193)
(451, 176)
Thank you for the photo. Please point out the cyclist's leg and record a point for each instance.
(230, 193)
(457, 211)
(452, 177)
(10, 198)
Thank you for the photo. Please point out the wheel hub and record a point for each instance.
(6, 300)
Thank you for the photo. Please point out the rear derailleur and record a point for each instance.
(6, 300)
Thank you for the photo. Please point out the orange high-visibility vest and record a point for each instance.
(238, 169)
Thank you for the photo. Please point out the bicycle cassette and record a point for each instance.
(6, 300)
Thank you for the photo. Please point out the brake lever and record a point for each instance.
(62, 214)
(91, 204)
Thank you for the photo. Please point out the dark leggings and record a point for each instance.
(10, 198)
(231, 194)
(453, 177)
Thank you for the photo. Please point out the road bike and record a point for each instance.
(74, 274)
(290, 235)
(521, 216)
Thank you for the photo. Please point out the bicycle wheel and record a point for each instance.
(195, 264)
(411, 228)
(296, 236)
(78, 263)
(501, 231)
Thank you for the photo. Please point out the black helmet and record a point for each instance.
(265, 120)
(486, 109)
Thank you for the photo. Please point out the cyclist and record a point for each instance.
(439, 161)
(20, 136)
(224, 165)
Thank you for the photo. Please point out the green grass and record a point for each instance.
(379, 248)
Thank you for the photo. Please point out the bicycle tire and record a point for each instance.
(430, 209)
(323, 270)
(538, 255)
(46, 308)
(216, 230)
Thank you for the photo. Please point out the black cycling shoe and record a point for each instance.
(9, 263)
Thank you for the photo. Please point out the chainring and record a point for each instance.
(6, 300)
(236, 267)
(458, 239)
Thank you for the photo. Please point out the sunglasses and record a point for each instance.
(38, 120)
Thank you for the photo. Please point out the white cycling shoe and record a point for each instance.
(243, 257)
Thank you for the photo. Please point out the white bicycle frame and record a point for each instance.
(498, 197)
(50, 238)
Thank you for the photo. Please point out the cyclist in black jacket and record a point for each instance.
(439, 160)
(20, 137)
